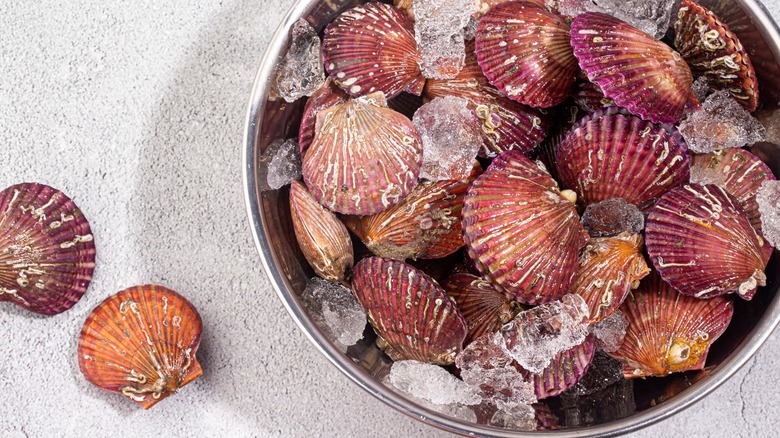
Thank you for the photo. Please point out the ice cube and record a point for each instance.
(771, 121)
(611, 217)
(438, 29)
(535, 336)
(703, 175)
(650, 16)
(701, 88)
(768, 199)
(432, 383)
(335, 310)
(721, 123)
(610, 331)
(301, 72)
(514, 416)
(450, 136)
(284, 163)
(603, 372)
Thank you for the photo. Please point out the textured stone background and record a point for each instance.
(135, 109)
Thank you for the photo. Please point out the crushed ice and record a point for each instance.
(439, 31)
(768, 199)
(284, 163)
(431, 382)
(610, 331)
(301, 72)
(335, 310)
(650, 16)
(611, 217)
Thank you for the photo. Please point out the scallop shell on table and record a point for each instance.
(323, 239)
(712, 50)
(632, 68)
(516, 198)
(700, 241)
(325, 97)
(141, 343)
(504, 124)
(609, 268)
(47, 252)
(371, 48)
(484, 308)
(741, 174)
(669, 332)
(409, 311)
(364, 158)
(611, 154)
(426, 224)
(524, 51)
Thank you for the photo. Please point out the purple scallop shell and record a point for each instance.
(326, 96)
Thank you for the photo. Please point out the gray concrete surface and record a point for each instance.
(135, 109)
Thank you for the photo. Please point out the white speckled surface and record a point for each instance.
(135, 109)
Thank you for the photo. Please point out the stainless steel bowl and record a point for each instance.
(653, 400)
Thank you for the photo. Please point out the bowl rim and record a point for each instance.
(768, 29)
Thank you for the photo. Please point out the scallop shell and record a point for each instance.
(521, 231)
(504, 124)
(712, 50)
(409, 311)
(47, 252)
(566, 370)
(326, 96)
(701, 242)
(323, 239)
(364, 157)
(371, 48)
(634, 69)
(742, 176)
(141, 342)
(589, 97)
(485, 308)
(610, 154)
(426, 224)
(609, 266)
(567, 116)
(669, 332)
(524, 51)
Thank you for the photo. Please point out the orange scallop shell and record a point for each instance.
(141, 343)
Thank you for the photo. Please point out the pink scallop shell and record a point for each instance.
(326, 96)
(566, 370)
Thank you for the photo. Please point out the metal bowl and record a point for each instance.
(643, 402)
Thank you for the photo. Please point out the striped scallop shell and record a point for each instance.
(323, 239)
(610, 154)
(325, 97)
(589, 97)
(504, 124)
(409, 311)
(712, 50)
(426, 224)
(741, 174)
(485, 308)
(632, 68)
(524, 51)
(701, 242)
(371, 48)
(566, 370)
(141, 342)
(515, 198)
(47, 253)
(364, 157)
(567, 116)
(609, 267)
(669, 332)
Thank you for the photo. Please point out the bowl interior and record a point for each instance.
(625, 406)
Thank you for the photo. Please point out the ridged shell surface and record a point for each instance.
(700, 240)
(47, 252)
(325, 97)
(632, 68)
(141, 343)
(323, 239)
(669, 332)
(524, 51)
(520, 229)
(364, 158)
(409, 311)
(371, 48)
(565, 370)
(589, 97)
(712, 50)
(610, 154)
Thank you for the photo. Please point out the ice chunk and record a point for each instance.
(450, 136)
(284, 163)
(612, 217)
(438, 29)
(703, 175)
(514, 416)
(335, 310)
(432, 383)
(771, 121)
(535, 336)
(301, 72)
(701, 88)
(470, 31)
(768, 199)
(604, 371)
(721, 123)
(650, 16)
(610, 331)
